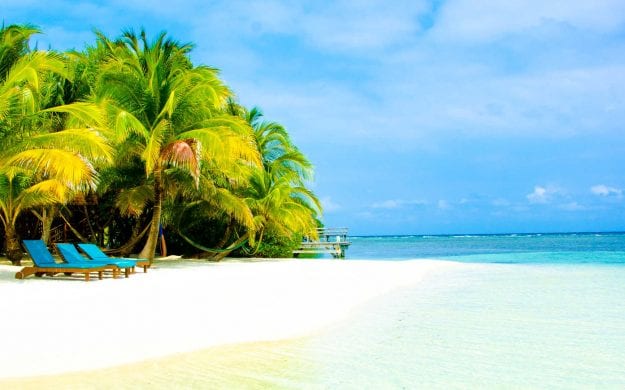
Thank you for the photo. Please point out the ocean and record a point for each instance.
(539, 311)
(568, 248)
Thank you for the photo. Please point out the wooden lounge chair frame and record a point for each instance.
(49, 267)
(51, 271)
(95, 253)
(71, 256)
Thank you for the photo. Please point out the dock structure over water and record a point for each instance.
(334, 241)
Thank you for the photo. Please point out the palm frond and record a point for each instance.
(85, 114)
(44, 193)
(67, 167)
(132, 201)
(235, 207)
(183, 153)
(126, 124)
(86, 142)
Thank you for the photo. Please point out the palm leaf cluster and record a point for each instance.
(128, 137)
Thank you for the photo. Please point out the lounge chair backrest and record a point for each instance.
(39, 252)
(69, 253)
(93, 251)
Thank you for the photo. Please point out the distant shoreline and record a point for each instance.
(486, 234)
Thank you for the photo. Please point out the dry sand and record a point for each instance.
(57, 325)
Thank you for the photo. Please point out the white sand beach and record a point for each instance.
(59, 325)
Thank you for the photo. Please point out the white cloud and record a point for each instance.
(472, 100)
(329, 205)
(606, 191)
(489, 19)
(333, 26)
(387, 204)
(397, 203)
(572, 206)
(443, 204)
(362, 25)
(500, 202)
(541, 195)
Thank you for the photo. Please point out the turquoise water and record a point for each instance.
(526, 311)
(490, 326)
(507, 248)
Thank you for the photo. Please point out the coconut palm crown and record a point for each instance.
(168, 112)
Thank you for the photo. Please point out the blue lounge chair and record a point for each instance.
(70, 254)
(95, 253)
(44, 263)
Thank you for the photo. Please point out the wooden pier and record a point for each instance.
(330, 240)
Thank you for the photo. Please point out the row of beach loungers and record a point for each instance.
(74, 262)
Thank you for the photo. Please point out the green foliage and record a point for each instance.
(129, 133)
(278, 246)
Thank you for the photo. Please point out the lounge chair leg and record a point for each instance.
(24, 272)
(127, 271)
(87, 276)
(100, 275)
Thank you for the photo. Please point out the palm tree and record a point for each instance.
(38, 164)
(277, 194)
(279, 153)
(281, 208)
(18, 192)
(14, 45)
(168, 112)
(216, 201)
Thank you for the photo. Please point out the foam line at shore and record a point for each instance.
(54, 326)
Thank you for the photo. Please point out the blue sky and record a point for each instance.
(421, 117)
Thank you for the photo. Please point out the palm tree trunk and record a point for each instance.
(230, 248)
(14, 251)
(150, 245)
(92, 236)
(222, 242)
(47, 217)
(73, 229)
(135, 237)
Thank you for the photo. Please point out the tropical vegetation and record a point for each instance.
(127, 142)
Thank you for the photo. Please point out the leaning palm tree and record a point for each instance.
(168, 112)
(216, 201)
(280, 207)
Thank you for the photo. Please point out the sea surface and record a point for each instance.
(569, 248)
(528, 311)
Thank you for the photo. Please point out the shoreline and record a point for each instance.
(183, 306)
